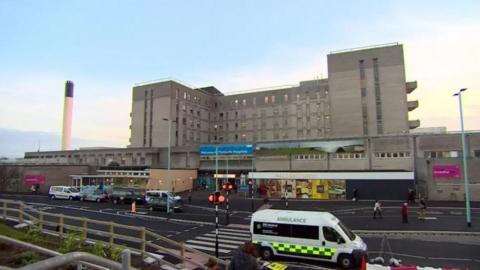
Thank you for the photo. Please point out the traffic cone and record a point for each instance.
(364, 264)
(134, 207)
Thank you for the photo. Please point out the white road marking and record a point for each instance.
(227, 237)
(221, 240)
(207, 248)
(233, 230)
(211, 243)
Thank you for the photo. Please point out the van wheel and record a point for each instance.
(70, 198)
(97, 200)
(266, 253)
(52, 197)
(345, 261)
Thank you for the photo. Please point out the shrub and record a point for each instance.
(116, 252)
(25, 258)
(71, 242)
(98, 249)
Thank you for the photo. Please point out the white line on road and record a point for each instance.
(210, 244)
(221, 240)
(227, 237)
(207, 248)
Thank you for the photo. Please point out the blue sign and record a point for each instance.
(226, 149)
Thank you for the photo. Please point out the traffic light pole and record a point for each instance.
(228, 207)
(216, 230)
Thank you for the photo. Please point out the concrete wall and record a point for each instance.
(175, 180)
(55, 175)
(375, 189)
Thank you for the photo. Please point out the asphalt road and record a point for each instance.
(425, 243)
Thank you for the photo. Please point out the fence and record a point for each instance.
(140, 240)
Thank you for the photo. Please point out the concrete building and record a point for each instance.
(365, 94)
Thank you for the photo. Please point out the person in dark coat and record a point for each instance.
(245, 258)
(405, 212)
(355, 194)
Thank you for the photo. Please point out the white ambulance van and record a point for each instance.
(306, 235)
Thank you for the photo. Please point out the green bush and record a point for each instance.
(72, 242)
(97, 250)
(25, 258)
(116, 252)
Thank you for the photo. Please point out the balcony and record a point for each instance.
(412, 105)
(414, 124)
(411, 86)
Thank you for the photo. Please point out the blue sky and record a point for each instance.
(107, 46)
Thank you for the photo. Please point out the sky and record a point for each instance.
(106, 47)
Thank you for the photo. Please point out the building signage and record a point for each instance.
(226, 149)
(291, 219)
(34, 180)
(446, 171)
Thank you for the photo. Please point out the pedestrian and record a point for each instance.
(405, 212)
(423, 209)
(377, 209)
(212, 264)
(190, 196)
(245, 258)
(355, 194)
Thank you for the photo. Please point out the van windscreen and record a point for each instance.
(347, 231)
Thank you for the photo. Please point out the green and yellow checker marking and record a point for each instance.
(277, 266)
(302, 250)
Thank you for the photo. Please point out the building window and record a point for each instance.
(236, 102)
(244, 102)
(254, 101)
(273, 99)
(184, 95)
(285, 98)
(362, 69)
(298, 97)
(266, 100)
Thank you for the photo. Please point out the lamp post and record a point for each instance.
(168, 157)
(464, 153)
(216, 205)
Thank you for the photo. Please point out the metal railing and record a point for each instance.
(138, 239)
(58, 259)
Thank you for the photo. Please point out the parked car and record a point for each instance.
(152, 196)
(64, 192)
(96, 196)
(127, 195)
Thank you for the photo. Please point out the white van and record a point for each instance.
(307, 235)
(64, 192)
(176, 201)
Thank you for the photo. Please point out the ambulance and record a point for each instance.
(306, 235)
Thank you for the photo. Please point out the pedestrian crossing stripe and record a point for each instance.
(223, 240)
(228, 240)
(211, 243)
(245, 238)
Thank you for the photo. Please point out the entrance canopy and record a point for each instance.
(333, 175)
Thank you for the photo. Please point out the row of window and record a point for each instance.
(392, 154)
(442, 154)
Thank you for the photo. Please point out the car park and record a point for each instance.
(64, 192)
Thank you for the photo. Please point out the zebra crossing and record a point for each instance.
(228, 240)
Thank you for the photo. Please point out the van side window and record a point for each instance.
(286, 230)
(330, 234)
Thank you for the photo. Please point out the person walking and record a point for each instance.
(355, 194)
(405, 212)
(377, 209)
(245, 258)
(423, 209)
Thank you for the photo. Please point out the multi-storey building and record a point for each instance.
(365, 95)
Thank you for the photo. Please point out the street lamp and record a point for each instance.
(168, 158)
(464, 153)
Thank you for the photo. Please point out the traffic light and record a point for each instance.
(227, 186)
(216, 198)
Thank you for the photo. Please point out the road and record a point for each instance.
(443, 240)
